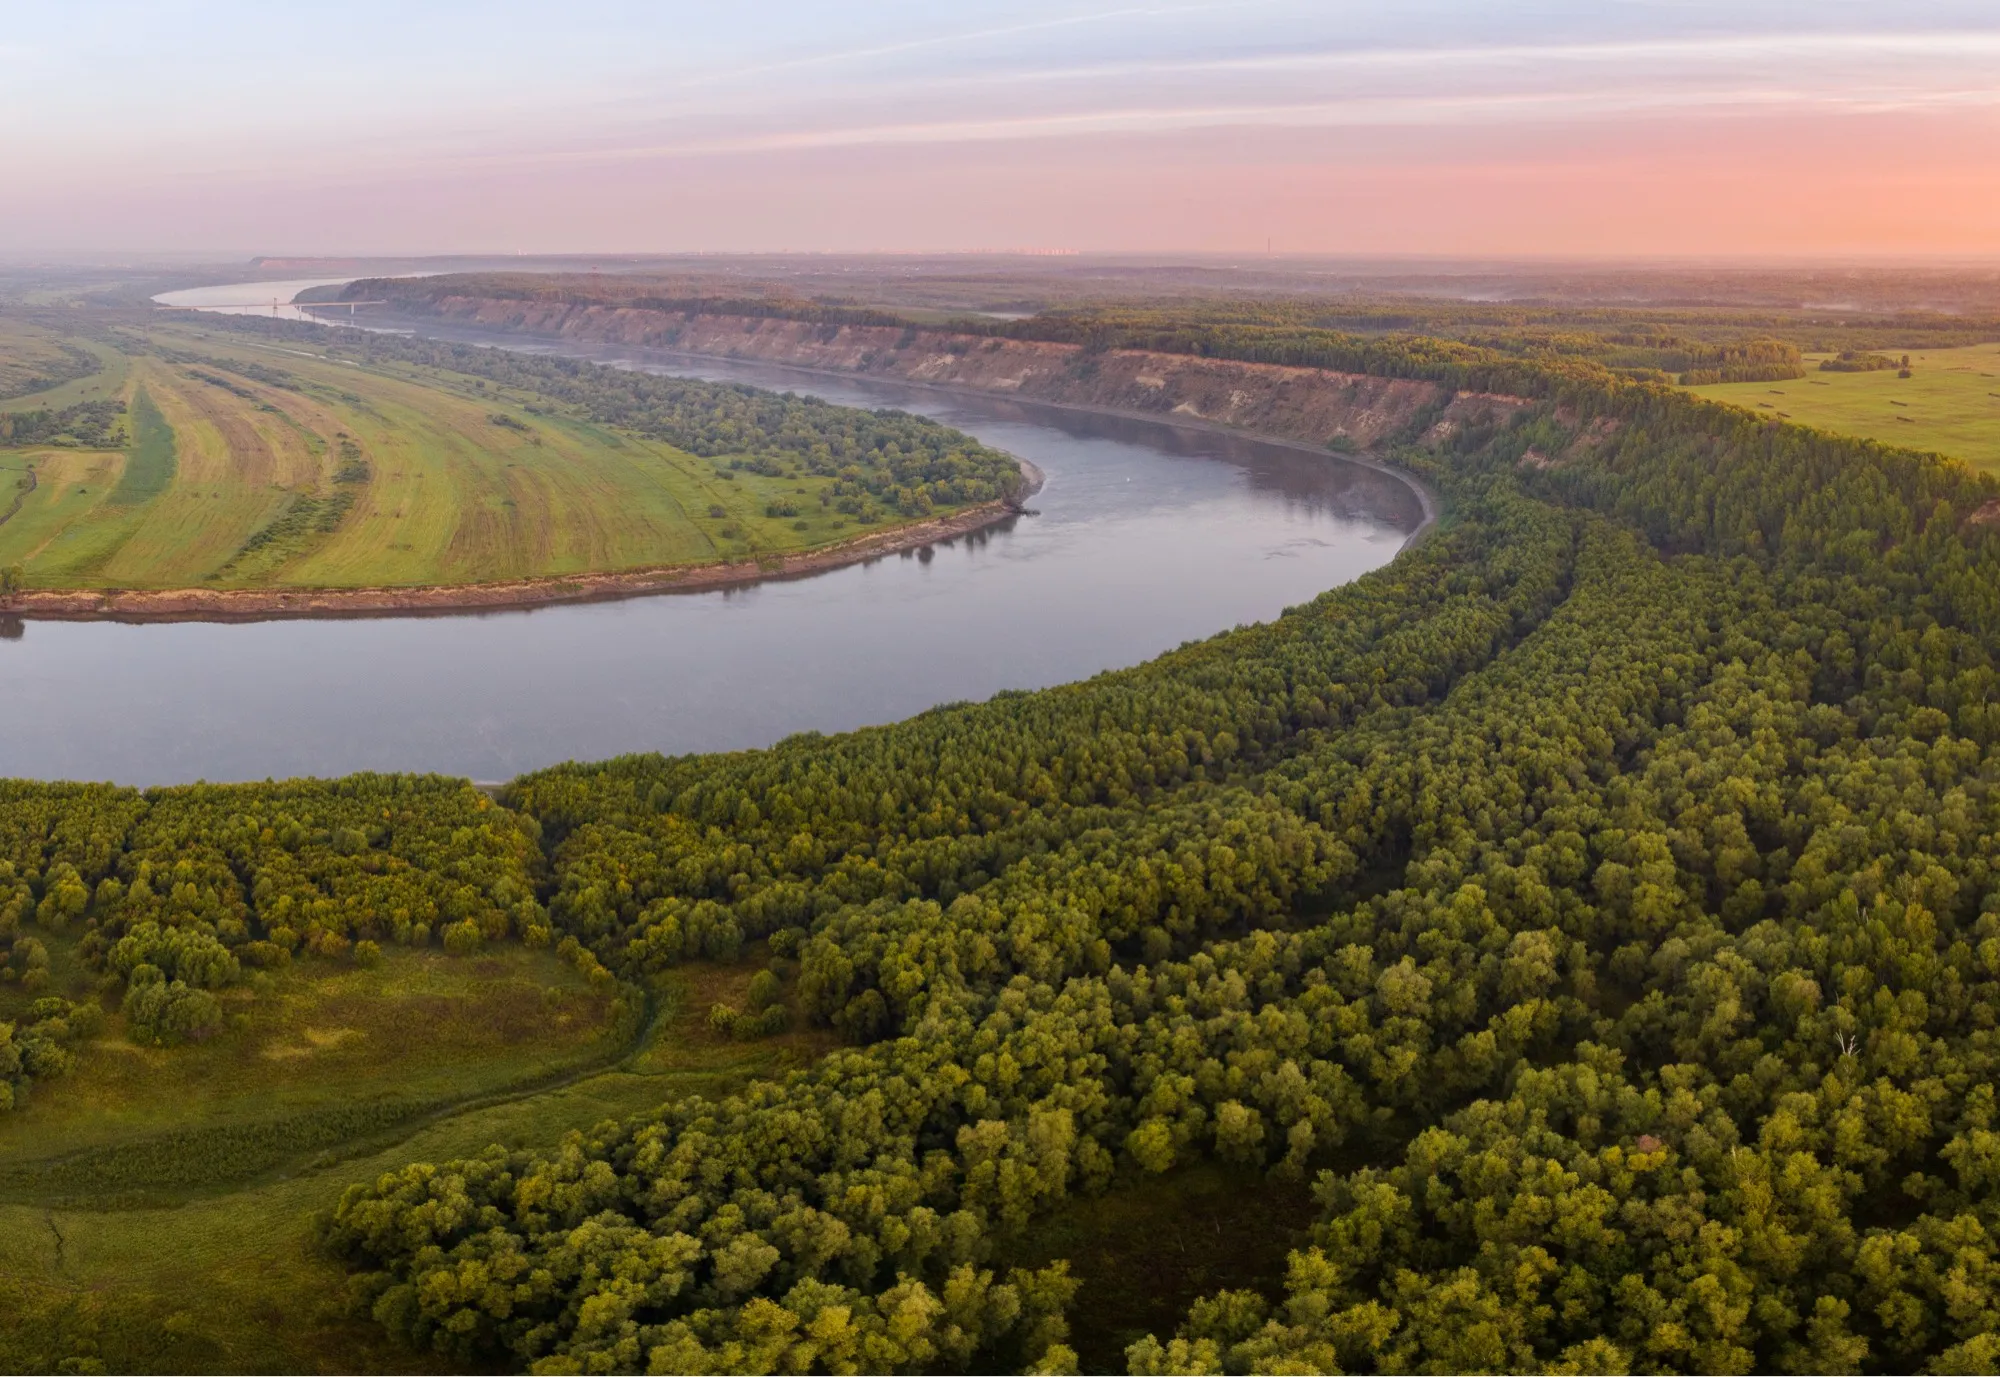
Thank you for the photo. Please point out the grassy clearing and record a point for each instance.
(255, 465)
(1949, 404)
(313, 1057)
(226, 1279)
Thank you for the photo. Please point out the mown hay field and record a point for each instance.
(1949, 404)
(243, 463)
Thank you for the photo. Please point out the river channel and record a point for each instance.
(1143, 536)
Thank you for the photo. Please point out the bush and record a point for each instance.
(166, 1013)
(765, 990)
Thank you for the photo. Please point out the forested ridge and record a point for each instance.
(1597, 905)
(1685, 342)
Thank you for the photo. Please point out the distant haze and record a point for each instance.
(1311, 126)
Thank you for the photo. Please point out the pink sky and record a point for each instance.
(1446, 127)
(1892, 184)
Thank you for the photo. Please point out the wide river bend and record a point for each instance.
(1144, 535)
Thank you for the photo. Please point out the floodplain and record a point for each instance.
(235, 462)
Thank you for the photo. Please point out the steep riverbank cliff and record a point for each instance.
(1317, 406)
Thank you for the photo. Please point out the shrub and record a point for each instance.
(166, 1013)
(765, 990)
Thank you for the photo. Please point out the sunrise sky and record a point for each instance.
(1419, 127)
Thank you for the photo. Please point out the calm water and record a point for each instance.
(253, 298)
(1144, 536)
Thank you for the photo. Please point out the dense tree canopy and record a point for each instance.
(177, 891)
(1597, 905)
(1612, 872)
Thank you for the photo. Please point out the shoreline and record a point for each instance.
(1428, 501)
(146, 606)
(143, 606)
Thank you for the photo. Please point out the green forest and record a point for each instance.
(1594, 914)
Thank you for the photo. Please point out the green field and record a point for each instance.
(1950, 404)
(258, 464)
(156, 1204)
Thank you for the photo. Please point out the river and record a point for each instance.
(1144, 535)
(272, 299)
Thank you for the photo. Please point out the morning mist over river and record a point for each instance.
(1144, 535)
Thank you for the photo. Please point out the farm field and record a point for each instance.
(101, 1254)
(1950, 404)
(245, 464)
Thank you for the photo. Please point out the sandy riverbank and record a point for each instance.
(260, 604)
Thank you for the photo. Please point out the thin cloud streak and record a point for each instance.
(823, 129)
(937, 41)
(1688, 63)
(1360, 113)
(1956, 45)
(638, 121)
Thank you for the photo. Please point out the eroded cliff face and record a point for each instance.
(1307, 404)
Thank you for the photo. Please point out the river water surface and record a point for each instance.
(1144, 536)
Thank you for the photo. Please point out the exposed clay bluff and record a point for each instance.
(1312, 405)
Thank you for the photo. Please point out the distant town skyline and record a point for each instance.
(1432, 127)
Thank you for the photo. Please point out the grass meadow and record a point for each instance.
(1950, 404)
(105, 1259)
(252, 465)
